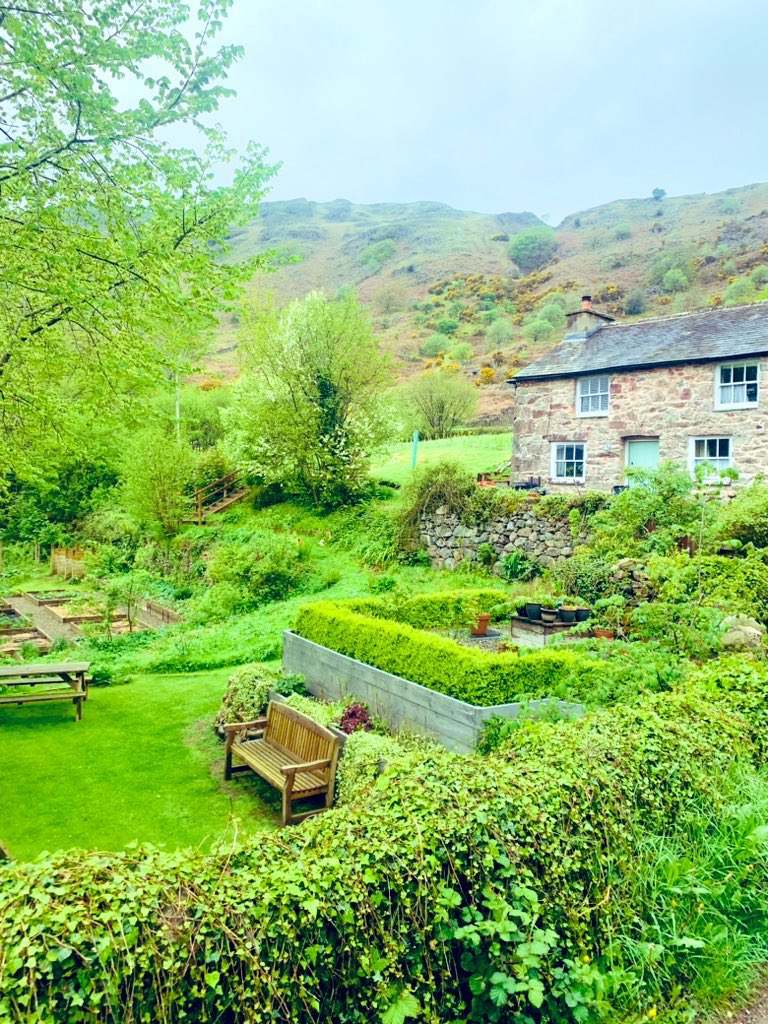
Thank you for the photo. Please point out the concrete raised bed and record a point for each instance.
(399, 702)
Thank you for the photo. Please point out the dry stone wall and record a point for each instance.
(543, 539)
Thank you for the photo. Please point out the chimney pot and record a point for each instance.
(586, 302)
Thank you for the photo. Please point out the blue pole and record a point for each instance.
(415, 449)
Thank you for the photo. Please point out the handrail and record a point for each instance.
(207, 496)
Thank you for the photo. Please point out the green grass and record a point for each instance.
(143, 765)
(481, 453)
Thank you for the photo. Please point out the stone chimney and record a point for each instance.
(585, 322)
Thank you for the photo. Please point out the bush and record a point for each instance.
(738, 292)
(470, 675)
(745, 517)
(447, 325)
(674, 280)
(261, 567)
(461, 352)
(622, 232)
(732, 585)
(634, 302)
(472, 888)
(518, 566)
(533, 247)
(584, 575)
(247, 693)
(434, 345)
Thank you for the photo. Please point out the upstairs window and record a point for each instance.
(714, 451)
(736, 385)
(592, 395)
(568, 462)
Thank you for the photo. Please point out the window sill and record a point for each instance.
(574, 481)
(741, 405)
(593, 415)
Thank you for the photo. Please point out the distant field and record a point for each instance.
(479, 454)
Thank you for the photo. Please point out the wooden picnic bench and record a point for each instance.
(71, 673)
(289, 751)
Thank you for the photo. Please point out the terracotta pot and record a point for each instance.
(582, 614)
(533, 611)
(603, 634)
(567, 614)
(549, 615)
(482, 625)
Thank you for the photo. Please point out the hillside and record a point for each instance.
(441, 284)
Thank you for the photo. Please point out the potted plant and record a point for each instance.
(548, 610)
(481, 626)
(610, 613)
(583, 613)
(533, 610)
(567, 613)
(521, 606)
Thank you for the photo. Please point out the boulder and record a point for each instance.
(743, 633)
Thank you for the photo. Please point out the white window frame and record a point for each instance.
(597, 394)
(553, 461)
(719, 403)
(694, 460)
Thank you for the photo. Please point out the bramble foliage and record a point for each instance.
(309, 412)
(521, 894)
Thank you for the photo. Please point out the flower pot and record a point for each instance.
(549, 615)
(603, 634)
(482, 625)
(533, 611)
(582, 614)
(567, 614)
(521, 611)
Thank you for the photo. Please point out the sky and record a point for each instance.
(501, 105)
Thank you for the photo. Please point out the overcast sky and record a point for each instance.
(551, 106)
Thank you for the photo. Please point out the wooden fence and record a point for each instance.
(68, 562)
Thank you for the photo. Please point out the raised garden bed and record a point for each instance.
(44, 598)
(402, 704)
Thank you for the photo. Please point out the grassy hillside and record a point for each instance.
(441, 284)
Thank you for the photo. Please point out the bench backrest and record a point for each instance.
(297, 734)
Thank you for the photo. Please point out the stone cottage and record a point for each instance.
(691, 388)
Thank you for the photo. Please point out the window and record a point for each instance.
(568, 462)
(592, 395)
(713, 450)
(736, 385)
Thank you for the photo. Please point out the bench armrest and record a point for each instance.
(308, 766)
(257, 723)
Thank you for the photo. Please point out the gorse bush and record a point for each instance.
(518, 886)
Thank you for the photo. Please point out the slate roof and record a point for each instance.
(687, 338)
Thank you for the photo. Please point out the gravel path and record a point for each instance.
(42, 619)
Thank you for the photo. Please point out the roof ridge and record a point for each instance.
(686, 313)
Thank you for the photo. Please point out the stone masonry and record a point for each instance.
(673, 404)
(545, 540)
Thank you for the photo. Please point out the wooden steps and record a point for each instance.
(216, 497)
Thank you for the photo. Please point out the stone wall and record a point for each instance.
(673, 404)
(545, 540)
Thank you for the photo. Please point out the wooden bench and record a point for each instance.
(289, 751)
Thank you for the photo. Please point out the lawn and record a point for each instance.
(481, 453)
(143, 765)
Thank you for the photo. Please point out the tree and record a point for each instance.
(533, 248)
(500, 332)
(156, 472)
(308, 412)
(674, 280)
(437, 402)
(658, 194)
(111, 239)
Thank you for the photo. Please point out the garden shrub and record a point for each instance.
(584, 575)
(745, 517)
(323, 712)
(365, 754)
(733, 585)
(248, 688)
(500, 888)
(470, 675)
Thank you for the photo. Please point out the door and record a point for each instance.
(643, 453)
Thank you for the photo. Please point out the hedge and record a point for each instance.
(447, 609)
(459, 889)
(477, 677)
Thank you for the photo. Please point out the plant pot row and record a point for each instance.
(541, 613)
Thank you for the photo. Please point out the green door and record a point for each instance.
(644, 453)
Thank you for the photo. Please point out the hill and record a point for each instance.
(441, 284)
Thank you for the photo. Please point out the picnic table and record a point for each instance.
(71, 677)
